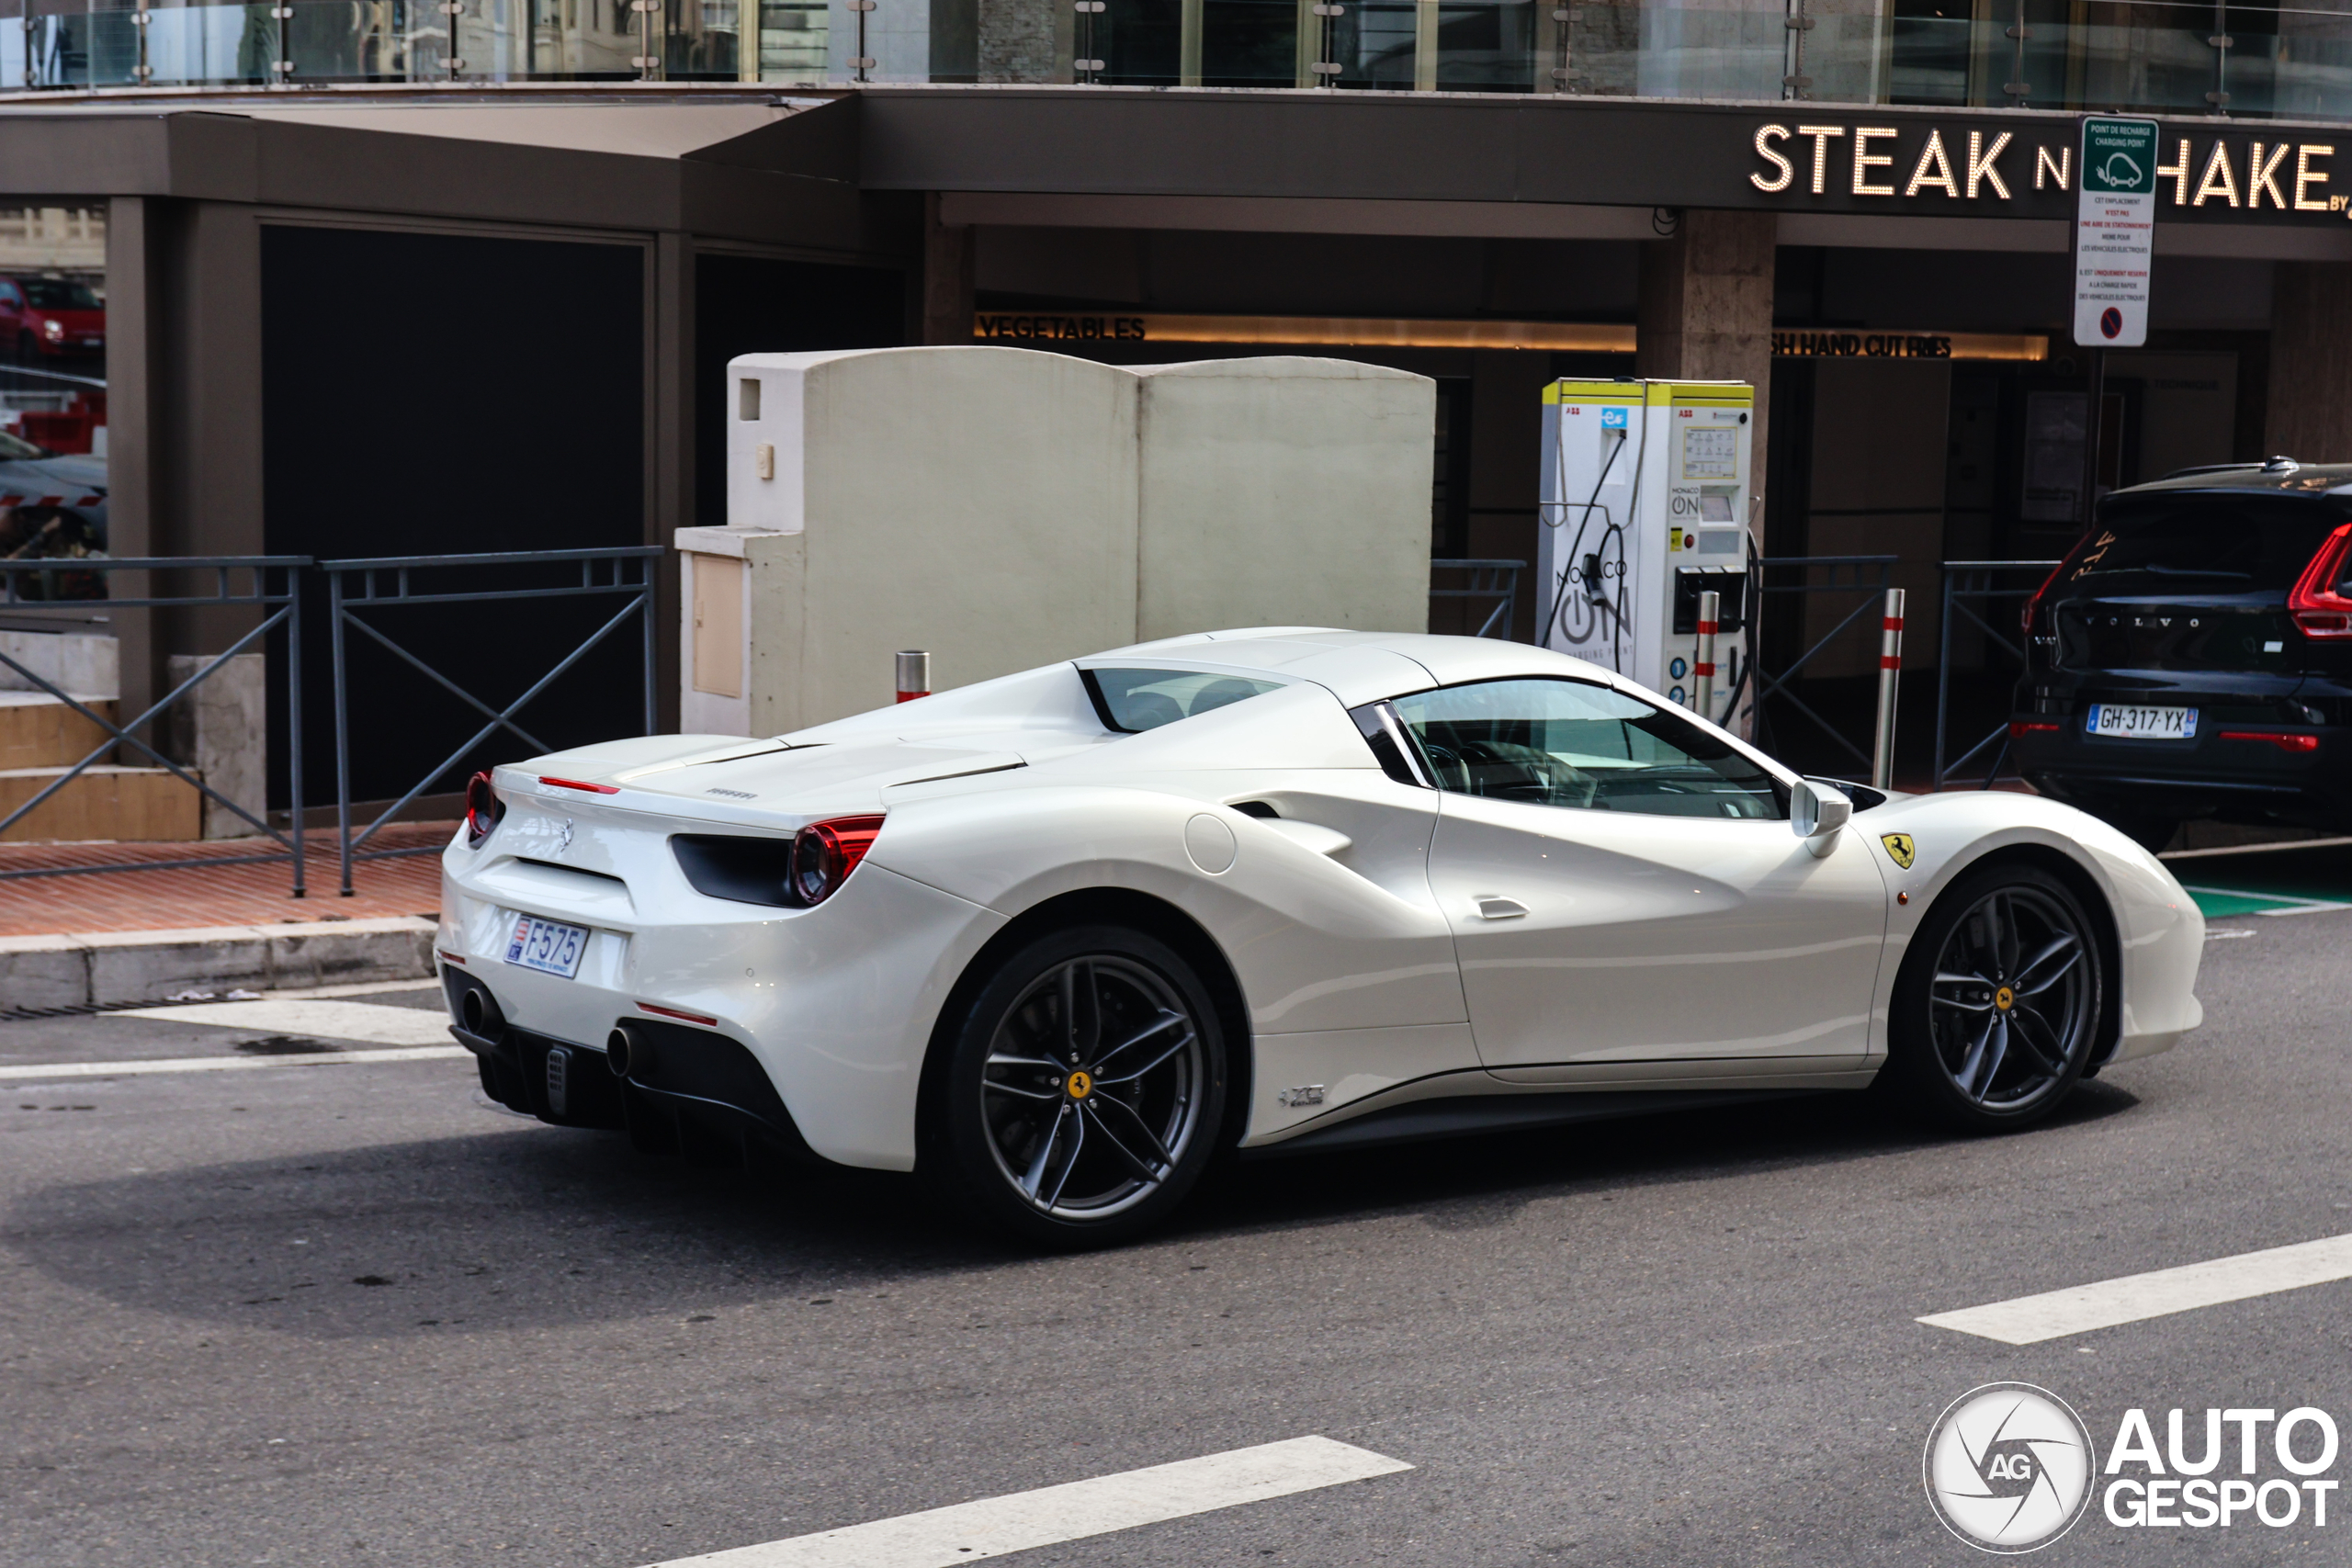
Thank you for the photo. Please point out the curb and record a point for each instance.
(111, 968)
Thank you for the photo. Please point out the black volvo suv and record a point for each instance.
(2192, 656)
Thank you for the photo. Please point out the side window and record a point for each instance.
(1574, 744)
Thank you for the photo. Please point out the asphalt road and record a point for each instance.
(355, 1315)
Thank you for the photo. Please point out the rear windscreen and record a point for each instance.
(1133, 700)
(2203, 544)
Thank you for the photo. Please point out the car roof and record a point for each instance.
(1359, 666)
(2278, 476)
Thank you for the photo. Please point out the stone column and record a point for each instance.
(946, 278)
(1706, 312)
(2308, 414)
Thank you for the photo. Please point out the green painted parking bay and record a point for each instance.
(2304, 878)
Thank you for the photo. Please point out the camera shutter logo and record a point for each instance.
(2008, 1467)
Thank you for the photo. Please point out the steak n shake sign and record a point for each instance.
(1848, 164)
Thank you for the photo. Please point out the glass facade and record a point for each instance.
(2259, 59)
(82, 44)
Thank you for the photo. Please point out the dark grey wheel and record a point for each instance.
(1998, 1008)
(1086, 1090)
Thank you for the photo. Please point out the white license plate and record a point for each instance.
(2128, 723)
(549, 946)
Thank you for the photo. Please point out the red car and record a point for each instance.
(51, 318)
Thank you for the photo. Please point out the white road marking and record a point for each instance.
(2255, 849)
(352, 989)
(2028, 1320)
(2294, 905)
(966, 1532)
(49, 1072)
(320, 1020)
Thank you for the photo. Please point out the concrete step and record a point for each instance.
(71, 662)
(104, 802)
(111, 968)
(37, 730)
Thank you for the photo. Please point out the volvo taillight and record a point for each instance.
(2318, 602)
(483, 810)
(2025, 616)
(824, 853)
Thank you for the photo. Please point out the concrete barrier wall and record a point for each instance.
(1282, 491)
(1005, 509)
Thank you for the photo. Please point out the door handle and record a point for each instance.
(1501, 909)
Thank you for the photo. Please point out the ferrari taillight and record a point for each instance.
(483, 810)
(2318, 602)
(824, 853)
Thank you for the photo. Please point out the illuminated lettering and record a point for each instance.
(1821, 135)
(2179, 175)
(2219, 178)
(1981, 159)
(2261, 174)
(2306, 176)
(1865, 159)
(1931, 156)
(1764, 136)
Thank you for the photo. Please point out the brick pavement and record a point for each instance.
(184, 897)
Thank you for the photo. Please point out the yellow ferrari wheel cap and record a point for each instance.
(1899, 849)
(1079, 1086)
(2005, 998)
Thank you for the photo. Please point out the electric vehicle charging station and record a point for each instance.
(1644, 506)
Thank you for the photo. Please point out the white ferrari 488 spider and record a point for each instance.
(1058, 940)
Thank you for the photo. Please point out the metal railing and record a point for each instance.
(354, 586)
(1496, 580)
(287, 612)
(1864, 576)
(1967, 584)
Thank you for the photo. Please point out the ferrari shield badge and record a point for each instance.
(1899, 849)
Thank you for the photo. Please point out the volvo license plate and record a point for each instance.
(549, 946)
(2124, 721)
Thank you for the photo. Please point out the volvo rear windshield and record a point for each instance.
(1132, 701)
(2201, 544)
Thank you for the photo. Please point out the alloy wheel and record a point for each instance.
(1092, 1088)
(2014, 1000)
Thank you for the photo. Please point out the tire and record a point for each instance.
(1999, 1002)
(1069, 1137)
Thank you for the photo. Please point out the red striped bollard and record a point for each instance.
(1890, 677)
(914, 674)
(1702, 666)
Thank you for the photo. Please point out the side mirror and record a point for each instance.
(1817, 812)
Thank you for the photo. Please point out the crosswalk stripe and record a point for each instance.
(51, 1072)
(966, 1532)
(2053, 1314)
(318, 1018)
